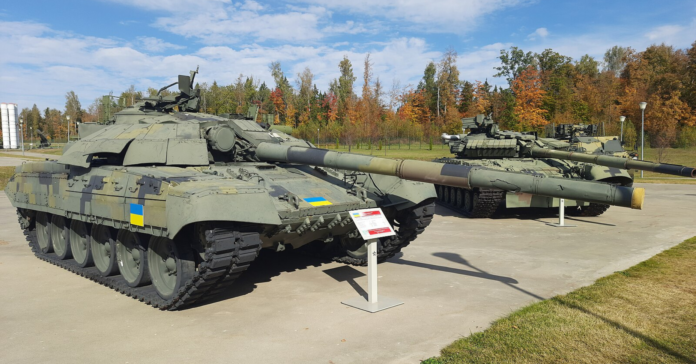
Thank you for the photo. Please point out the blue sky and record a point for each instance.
(93, 47)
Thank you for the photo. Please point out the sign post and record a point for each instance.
(561, 215)
(372, 225)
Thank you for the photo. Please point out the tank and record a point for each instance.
(487, 146)
(169, 205)
(584, 139)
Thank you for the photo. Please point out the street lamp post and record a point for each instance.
(622, 118)
(642, 132)
(21, 126)
(31, 131)
(68, 117)
(317, 137)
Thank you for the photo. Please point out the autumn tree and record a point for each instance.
(528, 97)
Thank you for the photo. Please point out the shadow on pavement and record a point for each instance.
(456, 258)
(267, 265)
(398, 260)
(347, 274)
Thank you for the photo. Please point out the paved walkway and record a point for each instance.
(455, 279)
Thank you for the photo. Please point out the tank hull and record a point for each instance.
(485, 203)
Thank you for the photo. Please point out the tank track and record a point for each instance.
(410, 223)
(228, 253)
(594, 209)
(485, 204)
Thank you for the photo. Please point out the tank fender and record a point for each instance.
(212, 205)
(601, 173)
(402, 193)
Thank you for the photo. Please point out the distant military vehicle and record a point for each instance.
(487, 146)
(45, 141)
(583, 138)
(169, 206)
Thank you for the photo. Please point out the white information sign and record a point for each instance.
(372, 223)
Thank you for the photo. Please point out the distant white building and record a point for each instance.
(9, 113)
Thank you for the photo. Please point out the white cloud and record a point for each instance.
(236, 23)
(228, 22)
(438, 16)
(674, 34)
(156, 45)
(348, 27)
(539, 33)
(46, 64)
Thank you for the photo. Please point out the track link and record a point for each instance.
(409, 224)
(485, 201)
(228, 253)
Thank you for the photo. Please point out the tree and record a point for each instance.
(528, 94)
(615, 59)
(549, 61)
(466, 98)
(587, 66)
(72, 108)
(429, 87)
(448, 87)
(513, 63)
(344, 88)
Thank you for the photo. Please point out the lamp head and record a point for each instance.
(67, 117)
(622, 118)
(643, 105)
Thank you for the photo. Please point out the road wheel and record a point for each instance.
(131, 256)
(448, 194)
(104, 250)
(43, 232)
(171, 265)
(468, 201)
(60, 237)
(80, 243)
(459, 198)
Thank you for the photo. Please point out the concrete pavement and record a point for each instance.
(455, 279)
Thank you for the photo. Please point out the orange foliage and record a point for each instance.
(528, 94)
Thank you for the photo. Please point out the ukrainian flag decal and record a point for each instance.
(137, 216)
(317, 201)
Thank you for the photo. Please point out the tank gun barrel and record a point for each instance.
(446, 137)
(456, 175)
(616, 162)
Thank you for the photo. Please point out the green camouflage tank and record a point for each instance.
(584, 139)
(487, 146)
(169, 205)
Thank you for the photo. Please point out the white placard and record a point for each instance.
(371, 223)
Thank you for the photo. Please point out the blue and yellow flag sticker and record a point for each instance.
(137, 215)
(317, 201)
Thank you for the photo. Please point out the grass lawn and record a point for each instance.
(5, 174)
(52, 151)
(19, 155)
(645, 314)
